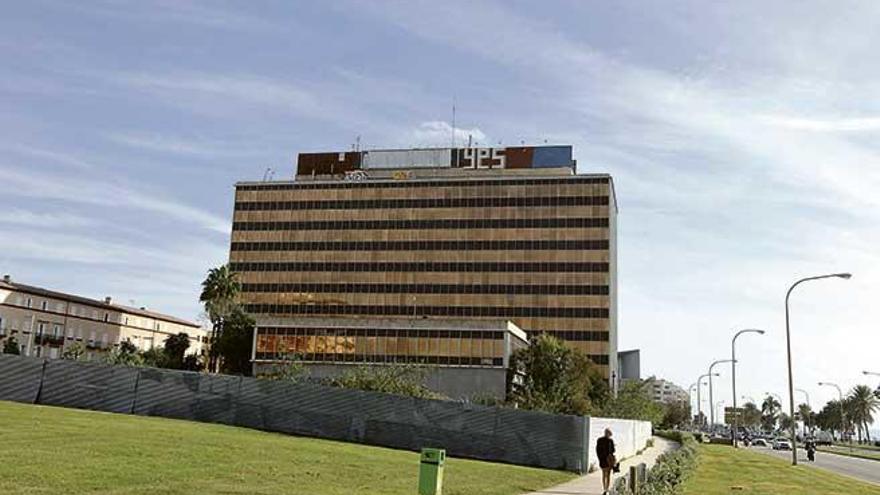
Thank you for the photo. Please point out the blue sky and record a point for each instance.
(742, 137)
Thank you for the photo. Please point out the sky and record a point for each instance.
(742, 137)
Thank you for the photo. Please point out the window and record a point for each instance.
(106, 316)
(38, 351)
(1, 326)
(41, 327)
(55, 330)
(44, 305)
(29, 302)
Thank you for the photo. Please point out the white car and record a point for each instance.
(760, 442)
(781, 444)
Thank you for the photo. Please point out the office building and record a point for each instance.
(44, 322)
(509, 234)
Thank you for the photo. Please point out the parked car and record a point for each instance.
(781, 444)
(760, 442)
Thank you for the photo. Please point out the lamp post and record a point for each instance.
(809, 405)
(839, 404)
(699, 401)
(733, 377)
(788, 353)
(712, 412)
(690, 396)
(870, 373)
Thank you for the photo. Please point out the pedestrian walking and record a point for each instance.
(607, 459)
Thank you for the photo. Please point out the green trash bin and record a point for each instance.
(431, 471)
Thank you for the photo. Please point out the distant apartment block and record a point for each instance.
(467, 234)
(44, 322)
(665, 391)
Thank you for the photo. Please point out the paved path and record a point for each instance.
(862, 469)
(591, 484)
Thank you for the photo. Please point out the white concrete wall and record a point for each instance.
(629, 436)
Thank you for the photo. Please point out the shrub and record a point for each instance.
(10, 346)
(672, 468)
(400, 379)
(291, 370)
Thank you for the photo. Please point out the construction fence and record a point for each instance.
(513, 436)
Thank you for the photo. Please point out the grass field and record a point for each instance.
(859, 452)
(721, 469)
(54, 450)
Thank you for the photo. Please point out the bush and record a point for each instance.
(672, 468)
(10, 346)
(291, 370)
(400, 379)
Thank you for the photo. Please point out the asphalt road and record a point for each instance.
(863, 469)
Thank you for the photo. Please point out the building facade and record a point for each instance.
(472, 233)
(464, 357)
(44, 322)
(665, 391)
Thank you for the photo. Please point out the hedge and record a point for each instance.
(671, 470)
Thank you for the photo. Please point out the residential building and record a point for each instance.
(45, 322)
(463, 233)
(665, 391)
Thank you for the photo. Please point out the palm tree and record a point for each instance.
(769, 412)
(219, 294)
(861, 406)
(806, 414)
(751, 415)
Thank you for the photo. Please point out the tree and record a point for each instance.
(555, 378)
(829, 418)
(126, 354)
(769, 412)
(805, 414)
(751, 415)
(634, 401)
(290, 370)
(220, 291)
(785, 422)
(10, 346)
(234, 344)
(675, 414)
(154, 357)
(175, 349)
(74, 352)
(192, 362)
(861, 404)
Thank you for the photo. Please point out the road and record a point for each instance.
(863, 469)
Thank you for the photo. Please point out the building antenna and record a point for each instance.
(453, 121)
(267, 174)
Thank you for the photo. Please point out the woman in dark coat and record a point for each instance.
(605, 453)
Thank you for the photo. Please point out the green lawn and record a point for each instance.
(854, 451)
(721, 469)
(56, 450)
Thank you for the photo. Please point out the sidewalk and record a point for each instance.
(591, 484)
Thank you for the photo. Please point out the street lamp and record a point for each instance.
(839, 404)
(690, 396)
(712, 412)
(844, 276)
(699, 401)
(733, 377)
(870, 373)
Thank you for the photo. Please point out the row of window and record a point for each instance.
(288, 186)
(387, 358)
(418, 266)
(84, 313)
(496, 245)
(569, 335)
(384, 332)
(579, 335)
(443, 223)
(350, 288)
(364, 204)
(456, 311)
(600, 359)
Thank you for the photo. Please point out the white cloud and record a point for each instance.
(826, 125)
(197, 147)
(439, 133)
(54, 219)
(98, 192)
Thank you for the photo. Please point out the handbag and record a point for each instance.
(612, 461)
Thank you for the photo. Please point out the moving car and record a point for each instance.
(781, 444)
(760, 442)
